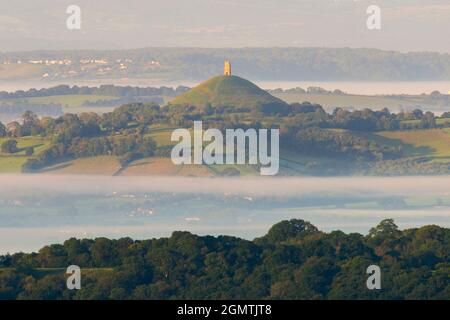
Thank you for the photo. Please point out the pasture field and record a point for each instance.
(244, 170)
(101, 165)
(295, 163)
(12, 163)
(196, 170)
(162, 136)
(151, 166)
(432, 143)
(39, 144)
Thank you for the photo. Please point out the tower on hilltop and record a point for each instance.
(227, 68)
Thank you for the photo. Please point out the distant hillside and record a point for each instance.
(271, 64)
(226, 91)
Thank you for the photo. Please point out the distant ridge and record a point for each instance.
(178, 65)
(222, 91)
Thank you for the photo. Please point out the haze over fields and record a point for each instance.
(414, 25)
(39, 209)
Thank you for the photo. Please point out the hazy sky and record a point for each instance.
(407, 25)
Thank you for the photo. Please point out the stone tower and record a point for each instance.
(227, 68)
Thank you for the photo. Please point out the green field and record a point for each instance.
(433, 143)
(39, 144)
(12, 163)
(162, 136)
(101, 165)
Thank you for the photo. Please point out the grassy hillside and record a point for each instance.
(12, 163)
(226, 91)
(433, 144)
(101, 165)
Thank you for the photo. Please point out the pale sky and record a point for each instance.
(407, 25)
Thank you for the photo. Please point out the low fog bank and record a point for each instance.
(257, 186)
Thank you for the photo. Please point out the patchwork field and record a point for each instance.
(430, 145)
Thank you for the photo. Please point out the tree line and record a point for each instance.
(294, 260)
(102, 90)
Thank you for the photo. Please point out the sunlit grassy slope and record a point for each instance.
(101, 165)
(433, 143)
(226, 91)
(12, 163)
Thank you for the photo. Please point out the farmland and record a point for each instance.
(433, 143)
(101, 165)
(12, 163)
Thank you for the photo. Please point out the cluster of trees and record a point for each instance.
(9, 146)
(90, 134)
(127, 148)
(294, 260)
(434, 98)
(313, 115)
(122, 101)
(310, 90)
(415, 166)
(332, 143)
